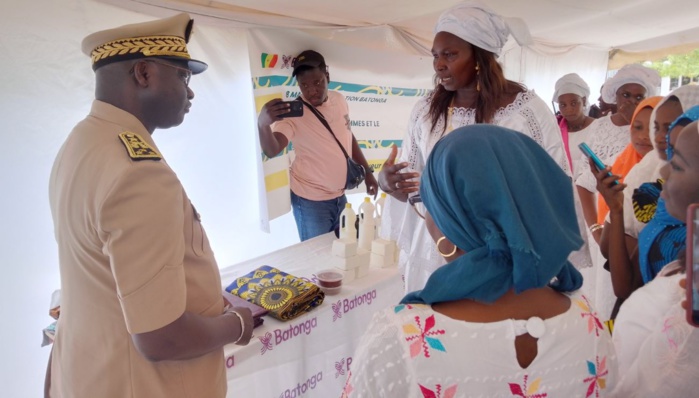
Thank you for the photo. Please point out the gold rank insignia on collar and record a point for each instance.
(137, 148)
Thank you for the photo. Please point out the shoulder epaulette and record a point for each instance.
(137, 148)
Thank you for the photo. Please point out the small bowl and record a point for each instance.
(330, 281)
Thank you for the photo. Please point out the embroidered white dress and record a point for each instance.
(574, 139)
(412, 351)
(607, 140)
(657, 349)
(418, 257)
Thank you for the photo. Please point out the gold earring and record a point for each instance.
(445, 255)
(478, 80)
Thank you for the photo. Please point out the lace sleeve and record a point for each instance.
(379, 368)
(410, 148)
(530, 115)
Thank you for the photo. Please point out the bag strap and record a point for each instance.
(325, 123)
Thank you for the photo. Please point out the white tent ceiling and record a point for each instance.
(630, 25)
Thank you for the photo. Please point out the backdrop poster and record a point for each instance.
(381, 88)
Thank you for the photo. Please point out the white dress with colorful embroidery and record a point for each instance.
(657, 348)
(528, 114)
(412, 351)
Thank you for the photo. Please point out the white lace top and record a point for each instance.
(574, 139)
(418, 256)
(606, 141)
(413, 351)
(657, 348)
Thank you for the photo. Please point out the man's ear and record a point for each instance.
(142, 73)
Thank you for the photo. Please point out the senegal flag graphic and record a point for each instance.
(268, 60)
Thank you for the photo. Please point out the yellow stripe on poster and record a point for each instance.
(261, 100)
(376, 165)
(276, 180)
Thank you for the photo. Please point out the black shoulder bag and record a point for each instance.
(355, 171)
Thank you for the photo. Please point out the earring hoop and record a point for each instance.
(440, 250)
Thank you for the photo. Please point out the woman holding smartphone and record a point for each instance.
(656, 347)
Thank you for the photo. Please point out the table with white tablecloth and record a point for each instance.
(310, 355)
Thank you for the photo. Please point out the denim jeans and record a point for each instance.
(315, 218)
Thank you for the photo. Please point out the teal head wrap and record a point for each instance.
(496, 194)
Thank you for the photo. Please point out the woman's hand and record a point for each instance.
(372, 186)
(394, 182)
(613, 194)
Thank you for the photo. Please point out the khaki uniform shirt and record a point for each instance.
(133, 257)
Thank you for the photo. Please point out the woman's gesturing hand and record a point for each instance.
(393, 181)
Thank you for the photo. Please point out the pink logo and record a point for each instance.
(342, 366)
(302, 388)
(269, 340)
(346, 305)
(266, 341)
(337, 310)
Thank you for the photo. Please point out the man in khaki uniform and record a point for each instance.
(142, 314)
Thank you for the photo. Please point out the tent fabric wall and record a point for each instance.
(540, 72)
(629, 25)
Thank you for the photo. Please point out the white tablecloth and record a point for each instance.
(309, 356)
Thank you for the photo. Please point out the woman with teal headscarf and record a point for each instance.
(502, 317)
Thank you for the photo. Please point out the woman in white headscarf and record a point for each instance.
(572, 93)
(470, 88)
(610, 134)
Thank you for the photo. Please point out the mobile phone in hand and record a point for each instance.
(594, 159)
(692, 263)
(295, 109)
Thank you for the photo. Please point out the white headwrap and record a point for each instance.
(480, 26)
(571, 83)
(688, 96)
(633, 73)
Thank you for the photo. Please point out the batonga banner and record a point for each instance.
(381, 88)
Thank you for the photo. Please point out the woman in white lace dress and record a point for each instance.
(503, 318)
(571, 94)
(610, 134)
(470, 88)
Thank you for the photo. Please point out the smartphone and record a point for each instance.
(692, 263)
(594, 158)
(295, 109)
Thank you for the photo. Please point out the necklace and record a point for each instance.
(574, 128)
